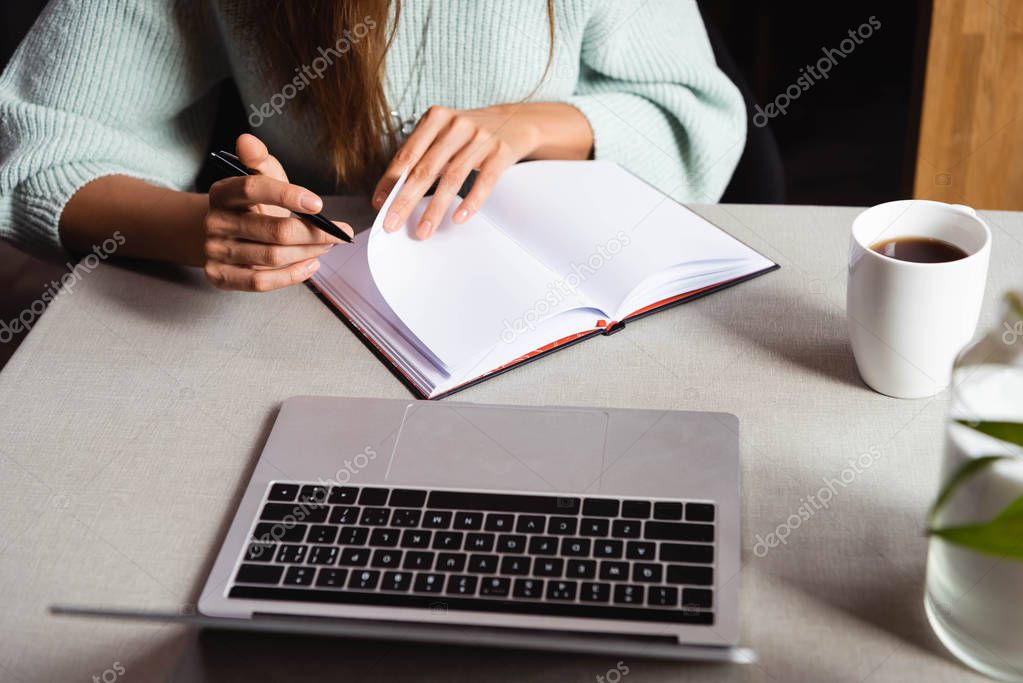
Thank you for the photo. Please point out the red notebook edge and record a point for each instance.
(533, 355)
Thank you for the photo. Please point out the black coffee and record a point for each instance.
(919, 250)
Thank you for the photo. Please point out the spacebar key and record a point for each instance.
(503, 502)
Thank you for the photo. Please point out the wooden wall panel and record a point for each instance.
(971, 131)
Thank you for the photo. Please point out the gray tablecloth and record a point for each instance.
(131, 416)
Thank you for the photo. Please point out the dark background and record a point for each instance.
(848, 140)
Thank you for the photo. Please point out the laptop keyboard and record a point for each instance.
(593, 557)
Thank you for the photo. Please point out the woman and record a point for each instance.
(107, 109)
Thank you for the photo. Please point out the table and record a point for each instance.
(131, 416)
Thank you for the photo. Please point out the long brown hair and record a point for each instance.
(348, 99)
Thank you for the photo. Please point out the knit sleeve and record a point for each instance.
(100, 88)
(655, 99)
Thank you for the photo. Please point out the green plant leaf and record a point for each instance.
(967, 470)
(1002, 536)
(1003, 431)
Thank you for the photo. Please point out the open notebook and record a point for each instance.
(561, 251)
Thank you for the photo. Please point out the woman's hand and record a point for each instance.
(449, 144)
(252, 240)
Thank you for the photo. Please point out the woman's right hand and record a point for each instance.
(252, 241)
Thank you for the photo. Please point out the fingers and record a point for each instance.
(254, 154)
(446, 146)
(240, 252)
(253, 190)
(428, 128)
(228, 276)
(269, 229)
(486, 179)
(451, 181)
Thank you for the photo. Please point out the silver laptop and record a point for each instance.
(574, 529)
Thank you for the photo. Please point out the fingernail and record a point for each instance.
(310, 202)
(461, 215)
(312, 266)
(424, 229)
(378, 199)
(391, 222)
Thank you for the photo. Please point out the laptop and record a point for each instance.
(556, 528)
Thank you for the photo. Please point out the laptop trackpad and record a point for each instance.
(500, 447)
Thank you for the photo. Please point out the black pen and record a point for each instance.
(233, 165)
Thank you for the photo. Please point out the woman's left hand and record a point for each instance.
(449, 144)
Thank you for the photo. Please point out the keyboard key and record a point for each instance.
(396, 581)
(344, 514)
(450, 562)
(600, 507)
(607, 549)
(662, 596)
(418, 559)
(321, 533)
(623, 528)
(562, 526)
(386, 538)
(259, 573)
(678, 531)
(429, 583)
(697, 576)
(437, 519)
(543, 545)
(684, 552)
(561, 590)
(594, 527)
(267, 532)
(365, 579)
(291, 554)
(448, 540)
(595, 592)
(260, 552)
(373, 496)
(354, 557)
(299, 576)
(646, 572)
(614, 571)
(313, 494)
(323, 554)
(293, 512)
(517, 565)
(483, 564)
(375, 516)
(575, 547)
(697, 597)
(503, 502)
(640, 550)
(353, 535)
(581, 569)
(414, 538)
(285, 492)
(530, 524)
(528, 588)
(481, 543)
(670, 511)
(405, 518)
(548, 566)
(496, 522)
(511, 543)
(468, 520)
(700, 512)
(331, 578)
(386, 558)
(462, 585)
(636, 509)
(407, 498)
(626, 594)
(343, 495)
(495, 586)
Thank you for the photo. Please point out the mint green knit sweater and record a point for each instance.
(129, 87)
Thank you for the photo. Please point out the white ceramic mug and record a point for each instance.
(907, 320)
